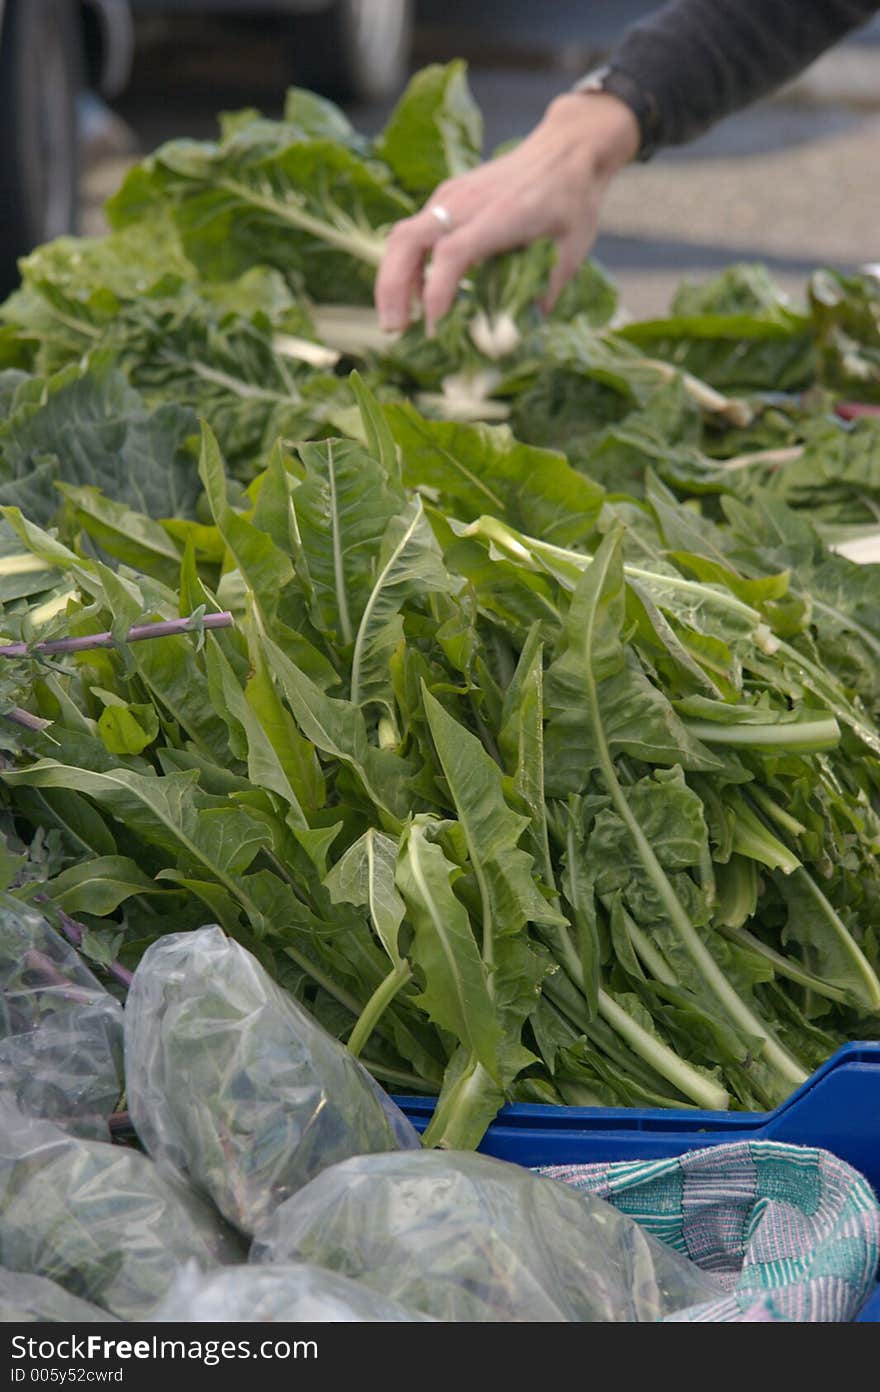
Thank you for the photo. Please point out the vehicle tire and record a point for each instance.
(41, 66)
(356, 49)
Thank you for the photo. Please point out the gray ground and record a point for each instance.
(791, 182)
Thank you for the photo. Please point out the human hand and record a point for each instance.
(550, 185)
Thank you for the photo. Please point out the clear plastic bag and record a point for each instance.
(465, 1237)
(28, 1299)
(61, 1041)
(270, 1099)
(296, 1293)
(101, 1220)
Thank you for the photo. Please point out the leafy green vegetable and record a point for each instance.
(435, 132)
(542, 761)
(103, 1221)
(251, 1129)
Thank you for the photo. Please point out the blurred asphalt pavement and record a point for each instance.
(791, 182)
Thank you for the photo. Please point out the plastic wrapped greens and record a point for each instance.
(101, 1220)
(270, 1099)
(277, 1294)
(31, 1299)
(465, 1237)
(61, 1040)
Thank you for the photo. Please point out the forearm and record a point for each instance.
(700, 60)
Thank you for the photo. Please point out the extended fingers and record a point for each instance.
(570, 252)
(483, 236)
(399, 281)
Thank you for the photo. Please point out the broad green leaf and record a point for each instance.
(521, 742)
(409, 566)
(735, 330)
(480, 469)
(308, 207)
(39, 542)
(84, 832)
(265, 568)
(129, 536)
(755, 592)
(636, 718)
(22, 574)
(219, 902)
(830, 948)
(435, 132)
(127, 728)
(172, 672)
(377, 432)
(265, 769)
(456, 992)
(315, 116)
(337, 728)
(599, 601)
(672, 819)
(295, 755)
(342, 510)
(508, 895)
(364, 876)
(468, 1103)
(273, 489)
(100, 885)
(518, 597)
(91, 428)
(199, 832)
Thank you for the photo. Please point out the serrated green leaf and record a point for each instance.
(364, 876)
(455, 990)
(409, 566)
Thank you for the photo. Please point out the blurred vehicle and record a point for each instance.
(348, 49)
(50, 50)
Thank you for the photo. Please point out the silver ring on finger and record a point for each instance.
(443, 216)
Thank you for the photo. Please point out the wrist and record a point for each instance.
(614, 81)
(603, 129)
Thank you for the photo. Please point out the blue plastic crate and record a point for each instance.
(838, 1109)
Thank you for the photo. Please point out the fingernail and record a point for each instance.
(390, 326)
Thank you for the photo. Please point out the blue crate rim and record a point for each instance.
(546, 1117)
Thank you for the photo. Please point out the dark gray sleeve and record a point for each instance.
(696, 61)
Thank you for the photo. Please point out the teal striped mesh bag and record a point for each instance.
(791, 1232)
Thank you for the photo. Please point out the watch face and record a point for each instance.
(594, 81)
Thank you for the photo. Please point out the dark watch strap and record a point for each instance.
(641, 103)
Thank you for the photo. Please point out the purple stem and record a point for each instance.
(138, 634)
(74, 933)
(37, 961)
(24, 718)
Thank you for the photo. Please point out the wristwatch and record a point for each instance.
(642, 104)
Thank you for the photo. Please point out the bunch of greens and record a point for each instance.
(237, 281)
(270, 1100)
(468, 1237)
(580, 813)
(60, 1030)
(528, 778)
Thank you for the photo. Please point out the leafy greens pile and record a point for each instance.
(528, 778)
